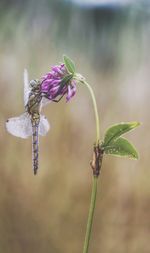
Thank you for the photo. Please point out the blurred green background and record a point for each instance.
(109, 43)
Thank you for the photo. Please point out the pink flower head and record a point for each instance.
(55, 85)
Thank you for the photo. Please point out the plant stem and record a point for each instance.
(91, 215)
(95, 178)
(95, 111)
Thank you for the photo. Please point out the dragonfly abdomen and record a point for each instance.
(35, 145)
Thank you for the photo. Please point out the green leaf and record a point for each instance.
(121, 147)
(117, 130)
(69, 64)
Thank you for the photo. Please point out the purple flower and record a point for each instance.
(54, 86)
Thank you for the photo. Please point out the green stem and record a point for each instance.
(95, 178)
(95, 111)
(91, 215)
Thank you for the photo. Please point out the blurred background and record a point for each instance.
(109, 42)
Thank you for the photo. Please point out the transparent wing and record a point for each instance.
(26, 87)
(20, 126)
(45, 101)
(44, 125)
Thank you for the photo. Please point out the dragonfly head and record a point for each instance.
(34, 83)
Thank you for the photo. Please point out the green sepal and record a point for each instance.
(69, 64)
(64, 82)
(121, 147)
(117, 130)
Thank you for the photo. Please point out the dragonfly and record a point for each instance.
(31, 122)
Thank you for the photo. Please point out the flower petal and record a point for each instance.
(51, 84)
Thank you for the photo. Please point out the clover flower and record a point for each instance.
(57, 83)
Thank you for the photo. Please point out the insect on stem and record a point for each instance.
(96, 162)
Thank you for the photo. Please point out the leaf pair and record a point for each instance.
(115, 145)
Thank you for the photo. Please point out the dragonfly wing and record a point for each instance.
(45, 101)
(20, 126)
(43, 125)
(26, 87)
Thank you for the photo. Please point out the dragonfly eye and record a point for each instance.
(33, 83)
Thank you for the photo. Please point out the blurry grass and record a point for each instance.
(47, 213)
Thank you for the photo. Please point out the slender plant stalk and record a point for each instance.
(95, 111)
(95, 178)
(91, 215)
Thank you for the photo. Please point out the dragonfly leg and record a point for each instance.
(57, 100)
(54, 100)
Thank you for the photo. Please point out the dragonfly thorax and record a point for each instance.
(34, 103)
